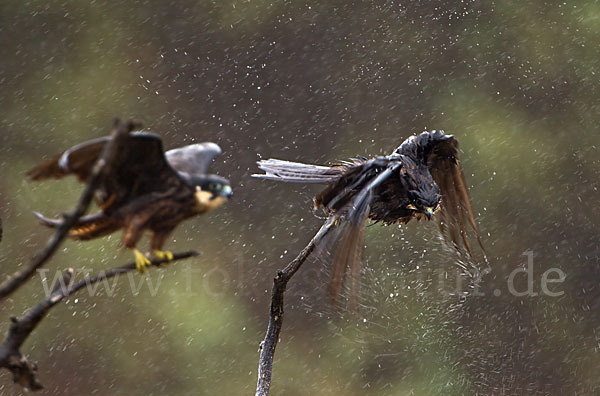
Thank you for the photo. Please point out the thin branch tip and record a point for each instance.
(276, 310)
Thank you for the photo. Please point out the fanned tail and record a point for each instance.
(88, 227)
(295, 172)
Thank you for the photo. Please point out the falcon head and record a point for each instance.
(212, 191)
(424, 196)
(216, 185)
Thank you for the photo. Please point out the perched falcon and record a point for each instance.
(419, 179)
(145, 189)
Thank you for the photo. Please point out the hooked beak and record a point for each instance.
(428, 212)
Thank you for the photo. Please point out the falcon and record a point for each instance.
(145, 189)
(421, 179)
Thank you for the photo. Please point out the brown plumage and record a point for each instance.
(420, 178)
(146, 189)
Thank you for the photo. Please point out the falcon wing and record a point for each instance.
(341, 253)
(193, 159)
(77, 161)
(139, 168)
(440, 153)
(352, 209)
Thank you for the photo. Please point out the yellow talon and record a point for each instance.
(141, 261)
(163, 255)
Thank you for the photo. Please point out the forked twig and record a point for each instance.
(24, 371)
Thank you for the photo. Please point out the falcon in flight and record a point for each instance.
(420, 179)
(145, 189)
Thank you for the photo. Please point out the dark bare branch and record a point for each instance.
(265, 364)
(121, 131)
(11, 358)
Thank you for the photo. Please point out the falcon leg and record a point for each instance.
(156, 243)
(162, 255)
(132, 235)
(141, 261)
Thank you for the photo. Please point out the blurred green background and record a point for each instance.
(516, 82)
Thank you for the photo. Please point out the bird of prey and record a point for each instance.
(421, 178)
(144, 189)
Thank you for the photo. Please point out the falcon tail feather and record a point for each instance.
(87, 227)
(296, 172)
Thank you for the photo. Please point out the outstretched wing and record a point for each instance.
(341, 252)
(343, 247)
(139, 168)
(440, 153)
(193, 159)
(77, 161)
